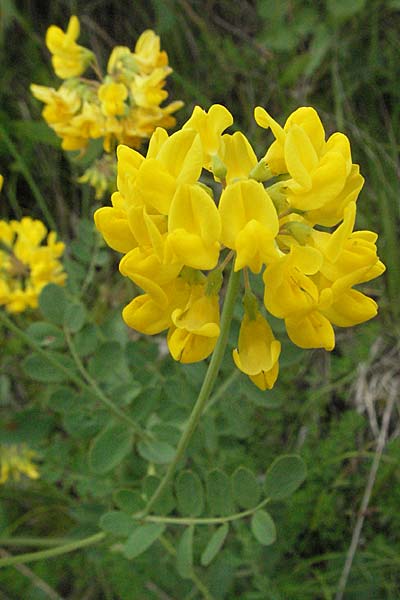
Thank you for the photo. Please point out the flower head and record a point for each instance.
(16, 459)
(26, 264)
(177, 234)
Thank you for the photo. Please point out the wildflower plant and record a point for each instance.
(139, 440)
(121, 106)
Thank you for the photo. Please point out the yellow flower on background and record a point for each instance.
(122, 107)
(258, 351)
(17, 460)
(249, 224)
(112, 96)
(68, 58)
(322, 179)
(26, 264)
(195, 329)
(177, 234)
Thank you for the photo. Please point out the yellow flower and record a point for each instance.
(147, 52)
(195, 329)
(194, 227)
(249, 224)
(291, 294)
(322, 179)
(148, 270)
(112, 96)
(16, 460)
(171, 227)
(258, 351)
(238, 156)
(68, 58)
(147, 90)
(210, 126)
(26, 265)
(148, 316)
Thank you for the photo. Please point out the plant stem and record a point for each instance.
(33, 541)
(94, 389)
(37, 194)
(97, 391)
(206, 388)
(206, 521)
(42, 554)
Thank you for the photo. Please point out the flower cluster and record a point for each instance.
(16, 459)
(121, 107)
(26, 264)
(289, 216)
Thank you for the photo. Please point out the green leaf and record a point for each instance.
(75, 317)
(110, 447)
(263, 528)
(87, 340)
(64, 400)
(46, 335)
(219, 493)
(284, 476)
(117, 522)
(166, 502)
(214, 545)
(142, 538)
(184, 554)
(129, 500)
(108, 364)
(189, 494)
(246, 490)
(38, 368)
(53, 303)
(156, 451)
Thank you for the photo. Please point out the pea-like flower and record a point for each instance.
(26, 264)
(258, 352)
(68, 58)
(17, 460)
(124, 106)
(195, 329)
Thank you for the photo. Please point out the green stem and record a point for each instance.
(206, 521)
(206, 388)
(97, 391)
(94, 389)
(37, 194)
(42, 554)
(33, 541)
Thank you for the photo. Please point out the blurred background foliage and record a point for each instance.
(340, 56)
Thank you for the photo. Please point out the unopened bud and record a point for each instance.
(261, 172)
(218, 167)
(277, 193)
(300, 231)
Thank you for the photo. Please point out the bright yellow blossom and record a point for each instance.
(26, 264)
(124, 106)
(68, 58)
(16, 460)
(249, 224)
(258, 351)
(322, 179)
(112, 96)
(172, 228)
(195, 329)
